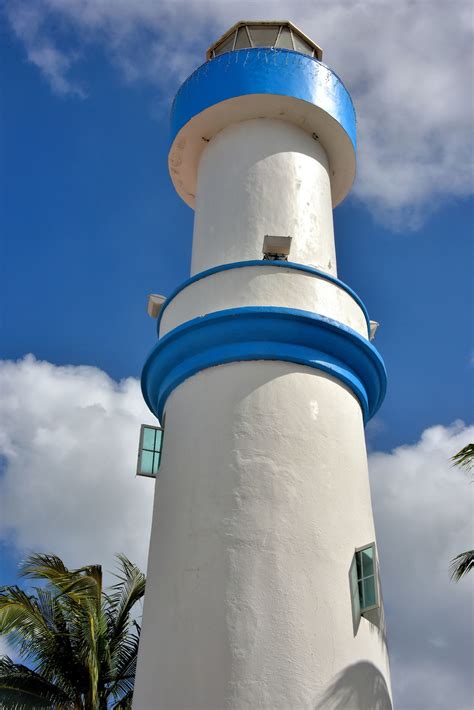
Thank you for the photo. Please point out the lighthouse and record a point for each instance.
(263, 587)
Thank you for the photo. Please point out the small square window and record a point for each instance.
(364, 582)
(149, 451)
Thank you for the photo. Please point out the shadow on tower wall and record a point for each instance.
(358, 687)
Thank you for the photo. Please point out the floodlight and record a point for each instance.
(155, 302)
(276, 248)
(373, 329)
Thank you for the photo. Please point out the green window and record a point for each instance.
(149, 452)
(364, 581)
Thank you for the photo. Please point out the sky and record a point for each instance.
(90, 225)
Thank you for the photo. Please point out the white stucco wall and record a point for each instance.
(263, 492)
(262, 496)
(264, 286)
(259, 177)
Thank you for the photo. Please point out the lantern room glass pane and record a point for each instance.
(284, 40)
(242, 40)
(148, 438)
(226, 46)
(146, 463)
(264, 36)
(301, 45)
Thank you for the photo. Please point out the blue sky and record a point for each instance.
(90, 225)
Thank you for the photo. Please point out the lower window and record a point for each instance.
(363, 575)
(149, 450)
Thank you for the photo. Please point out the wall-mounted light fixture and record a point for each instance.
(373, 329)
(155, 301)
(276, 248)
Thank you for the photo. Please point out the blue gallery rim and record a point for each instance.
(265, 333)
(263, 70)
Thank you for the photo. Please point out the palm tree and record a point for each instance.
(464, 562)
(81, 642)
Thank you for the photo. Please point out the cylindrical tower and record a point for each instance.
(263, 587)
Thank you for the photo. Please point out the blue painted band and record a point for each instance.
(260, 262)
(263, 71)
(264, 333)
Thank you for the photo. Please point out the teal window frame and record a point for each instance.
(145, 447)
(362, 576)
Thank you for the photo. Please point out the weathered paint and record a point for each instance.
(263, 177)
(256, 83)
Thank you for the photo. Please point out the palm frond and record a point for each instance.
(82, 584)
(464, 458)
(23, 689)
(58, 660)
(462, 564)
(42, 566)
(125, 667)
(22, 621)
(126, 593)
(81, 641)
(124, 703)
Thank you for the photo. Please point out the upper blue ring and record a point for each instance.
(261, 262)
(263, 71)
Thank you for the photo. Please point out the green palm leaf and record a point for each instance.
(81, 641)
(462, 564)
(465, 457)
(20, 687)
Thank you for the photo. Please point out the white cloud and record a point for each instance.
(28, 22)
(70, 438)
(423, 513)
(407, 64)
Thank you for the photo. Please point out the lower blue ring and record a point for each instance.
(265, 333)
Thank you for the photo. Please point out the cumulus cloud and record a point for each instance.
(69, 438)
(408, 66)
(423, 514)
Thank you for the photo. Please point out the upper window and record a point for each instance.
(364, 581)
(149, 451)
(283, 35)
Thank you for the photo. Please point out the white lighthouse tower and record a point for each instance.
(263, 586)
